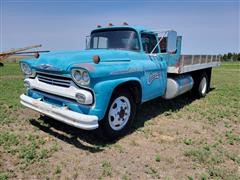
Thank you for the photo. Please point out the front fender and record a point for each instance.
(103, 92)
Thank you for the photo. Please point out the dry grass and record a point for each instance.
(182, 138)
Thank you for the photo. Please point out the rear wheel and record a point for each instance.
(201, 85)
(119, 115)
(202, 88)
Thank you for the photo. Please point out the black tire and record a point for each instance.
(201, 85)
(105, 126)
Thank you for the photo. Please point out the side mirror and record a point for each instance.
(171, 41)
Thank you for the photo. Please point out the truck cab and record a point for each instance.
(101, 86)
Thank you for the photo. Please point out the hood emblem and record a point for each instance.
(48, 67)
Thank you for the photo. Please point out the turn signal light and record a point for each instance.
(27, 84)
(36, 55)
(80, 98)
(96, 59)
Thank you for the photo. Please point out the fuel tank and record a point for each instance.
(178, 85)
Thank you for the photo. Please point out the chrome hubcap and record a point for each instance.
(119, 113)
(203, 85)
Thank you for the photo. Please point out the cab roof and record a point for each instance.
(139, 29)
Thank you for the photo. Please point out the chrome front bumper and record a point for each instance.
(62, 114)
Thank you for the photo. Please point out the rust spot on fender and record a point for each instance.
(35, 102)
(87, 66)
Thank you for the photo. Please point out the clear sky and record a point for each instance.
(207, 26)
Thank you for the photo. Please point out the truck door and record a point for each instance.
(155, 71)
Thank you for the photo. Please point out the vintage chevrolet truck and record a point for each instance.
(121, 68)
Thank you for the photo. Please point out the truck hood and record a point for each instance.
(62, 61)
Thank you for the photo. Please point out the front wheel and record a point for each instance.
(119, 115)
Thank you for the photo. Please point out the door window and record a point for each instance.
(149, 41)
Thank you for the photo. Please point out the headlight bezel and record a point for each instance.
(81, 82)
(28, 73)
(26, 69)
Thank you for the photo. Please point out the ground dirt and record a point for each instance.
(184, 138)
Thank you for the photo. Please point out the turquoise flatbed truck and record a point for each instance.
(121, 68)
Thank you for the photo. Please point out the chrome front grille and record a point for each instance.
(54, 80)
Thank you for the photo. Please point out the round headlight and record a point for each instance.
(26, 68)
(81, 77)
(85, 77)
(77, 75)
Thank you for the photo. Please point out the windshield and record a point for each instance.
(114, 39)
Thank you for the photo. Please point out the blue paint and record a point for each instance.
(116, 67)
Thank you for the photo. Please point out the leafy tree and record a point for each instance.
(230, 57)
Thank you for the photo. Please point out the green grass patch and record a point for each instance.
(58, 170)
(200, 155)
(28, 149)
(158, 158)
(10, 92)
(152, 172)
(188, 141)
(118, 147)
(220, 173)
(207, 154)
(3, 176)
(9, 141)
(232, 138)
(10, 69)
(28, 153)
(106, 169)
(9, 99)
(230, 65)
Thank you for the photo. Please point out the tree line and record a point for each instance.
(230, 57)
